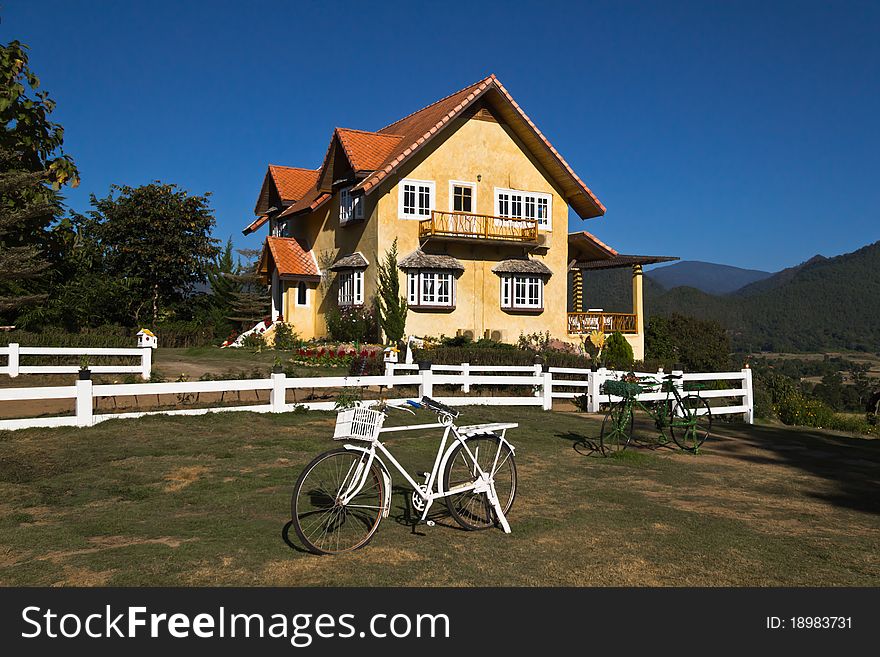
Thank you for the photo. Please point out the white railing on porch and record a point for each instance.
(544, 385)
(15, 351)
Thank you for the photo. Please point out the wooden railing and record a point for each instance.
(581, 323)
(478, 226)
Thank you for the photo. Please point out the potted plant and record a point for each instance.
(277, 366)
(84, 372)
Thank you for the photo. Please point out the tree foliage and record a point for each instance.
(158, 235)
(617, 354)
(250, 301)
(392, 304)
(700, 345)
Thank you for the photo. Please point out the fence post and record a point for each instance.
(678, 383)
(389, 373)
(84, 408)
(539, 371)
(13, 359)
(749, 399)
(594, 385)
(547, 388)
(466, 377)
(426, 387)
(146, 362)
(278, 393)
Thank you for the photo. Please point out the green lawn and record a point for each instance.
(204, 500)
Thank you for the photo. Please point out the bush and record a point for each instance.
(698, 344)
(617, 353)
(286, 339)
(356, 324)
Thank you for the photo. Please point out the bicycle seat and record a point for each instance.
(437, 407)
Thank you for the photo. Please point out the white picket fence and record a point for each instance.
(544, 385)
(15, 351)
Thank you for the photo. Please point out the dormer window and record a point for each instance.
(351, 207)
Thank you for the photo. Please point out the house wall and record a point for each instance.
(486, 149)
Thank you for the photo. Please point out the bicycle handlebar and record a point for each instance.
(434, 405)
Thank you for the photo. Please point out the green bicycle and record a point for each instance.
(688, 417)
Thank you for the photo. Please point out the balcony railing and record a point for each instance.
(582, 323)
(464, 225)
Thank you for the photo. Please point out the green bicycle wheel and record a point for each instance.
(691, 423)
(617, 428)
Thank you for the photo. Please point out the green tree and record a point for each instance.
(700, 345)
(34, 167)
(392, 304)
(159, 235)
(617, 354)
(250, 302)
(223, 278)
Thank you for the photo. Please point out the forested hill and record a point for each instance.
(827, 303)
(706, 276)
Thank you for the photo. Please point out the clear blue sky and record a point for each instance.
(737, 132)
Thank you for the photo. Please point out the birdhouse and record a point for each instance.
(146, 338)
(389, 355)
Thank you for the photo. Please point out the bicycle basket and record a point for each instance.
(358, 424)
(623, 388)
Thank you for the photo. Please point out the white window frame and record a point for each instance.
(517, 289)
(351, 287)
(416, 280)
(506, 200)
(351, 207)
(420, 186)
(462, 183)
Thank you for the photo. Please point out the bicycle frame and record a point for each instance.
(483, 482)
(658, 409)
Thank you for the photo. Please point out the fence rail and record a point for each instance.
(542, 386)
(15, 351)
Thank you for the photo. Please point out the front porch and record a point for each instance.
(588, 253)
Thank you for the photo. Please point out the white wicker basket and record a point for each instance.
(358, 424)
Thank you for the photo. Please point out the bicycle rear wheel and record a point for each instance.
(469, 509)
(322, 522)
(691, 423)
(617, 428)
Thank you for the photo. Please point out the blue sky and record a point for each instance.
(736, 132)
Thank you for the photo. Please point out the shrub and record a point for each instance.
(286, 339)
(254, 341)
(617, 353)
(357, 324)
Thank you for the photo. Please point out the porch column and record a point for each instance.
(276, 295)
(638, 299)
(578, 291)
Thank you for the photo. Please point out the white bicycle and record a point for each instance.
(343, 494)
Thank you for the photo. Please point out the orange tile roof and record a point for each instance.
(383, 152)
(293, 182)
(367, 150)
(289, 257)
(255, 224)
(592, 240)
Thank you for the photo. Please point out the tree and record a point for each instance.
(33, 167)
(392, 305)
(617, 353)
(223, 278)
(250, 302)
(159, 235)
(700, 345)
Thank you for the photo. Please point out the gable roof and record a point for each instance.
(379, 154)
(586, 251)
(290, 184)
(289, 257)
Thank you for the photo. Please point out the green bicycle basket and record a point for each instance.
(623, 388)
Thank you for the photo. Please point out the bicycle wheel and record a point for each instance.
(323, 523)
(617, 428)
(472, 510)
(691, 422)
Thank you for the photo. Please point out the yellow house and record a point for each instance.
(478, 201)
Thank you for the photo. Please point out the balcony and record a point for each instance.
(478, 227)
(584, 323)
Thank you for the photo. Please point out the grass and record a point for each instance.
(203, 501)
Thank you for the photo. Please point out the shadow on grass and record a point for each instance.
(850, 463)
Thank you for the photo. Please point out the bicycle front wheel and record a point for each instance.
(691, 423)
(323, 520)
(472, 510)
(617, 428)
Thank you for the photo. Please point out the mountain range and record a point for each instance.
(821, 304)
